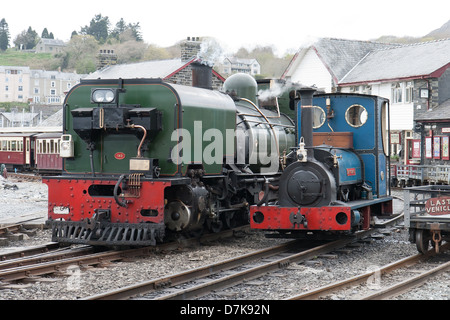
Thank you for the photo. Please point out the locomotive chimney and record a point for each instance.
(306, 116)
(201, 75)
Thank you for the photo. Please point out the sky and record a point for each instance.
(284, 24)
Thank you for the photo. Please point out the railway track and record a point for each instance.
(50, 258)
(382, 293)
(201, 281)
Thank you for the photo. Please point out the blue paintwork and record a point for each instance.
(367, 139)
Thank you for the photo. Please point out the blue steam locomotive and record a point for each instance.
(337, 178)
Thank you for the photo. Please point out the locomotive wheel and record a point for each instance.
(422, 240)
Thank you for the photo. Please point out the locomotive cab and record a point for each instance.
(336, 179)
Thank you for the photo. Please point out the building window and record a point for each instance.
(409, 92)
(6, 88)
(53, 84)
(20, 88)
(52, 92)
(396, 93)
(36, 90)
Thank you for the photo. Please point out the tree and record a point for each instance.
(122, 28)
(98, 28)
(4, 35)
(27, 39)
(80, 54)
(46, 35)
(271, 65)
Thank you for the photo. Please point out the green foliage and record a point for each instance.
(27, 39)
(271, 65)
(46, 35)
(4, 35)
(98, 28)
(13, 57)
(8, 106)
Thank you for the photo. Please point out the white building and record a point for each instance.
(415, 78)
(14, 84)
(233, 65)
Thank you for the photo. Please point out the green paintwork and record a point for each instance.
(197, 105)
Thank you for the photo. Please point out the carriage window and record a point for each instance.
(356, 115)
(13, 145)
(318, 117)
(4, 145)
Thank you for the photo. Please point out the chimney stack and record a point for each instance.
(190, 48)
(201, 75)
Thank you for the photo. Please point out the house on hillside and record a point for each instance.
(177, 71)
(233, 65)
(53, 46)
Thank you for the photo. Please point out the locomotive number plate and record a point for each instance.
(119, 155)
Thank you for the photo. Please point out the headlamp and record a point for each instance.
(103, 95)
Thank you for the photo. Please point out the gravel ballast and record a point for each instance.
(30, 198)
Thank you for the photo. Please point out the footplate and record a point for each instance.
(106, 233)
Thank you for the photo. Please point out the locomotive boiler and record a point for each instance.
(144, 160)
(336, 178)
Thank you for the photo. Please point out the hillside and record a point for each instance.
(45, 61)
(441, 33)
(271, 65)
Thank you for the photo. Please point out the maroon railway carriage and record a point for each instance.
(47, 158)
(17, 150)
(31, 151)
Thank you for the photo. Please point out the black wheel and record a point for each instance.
(422, 240)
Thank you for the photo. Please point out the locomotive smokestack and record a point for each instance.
(306, 96)
(201, 75)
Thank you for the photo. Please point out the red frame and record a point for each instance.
(320, 218)
(429, 145)
(436, 147)
(73, 194)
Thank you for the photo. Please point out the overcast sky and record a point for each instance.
(285, 24)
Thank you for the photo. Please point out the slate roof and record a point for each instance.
(441, 112)
(148, 69)
(338, 55)
(407, 61)
(52, 42)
